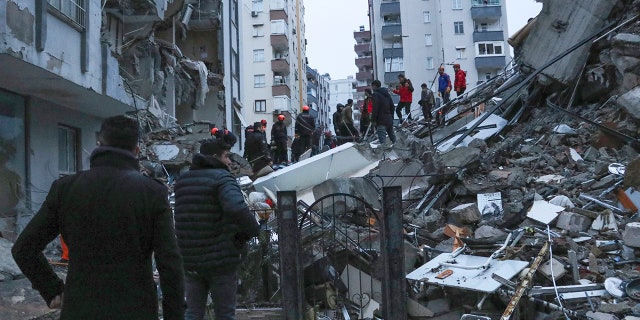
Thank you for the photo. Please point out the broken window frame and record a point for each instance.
(68, 145)
(73, 12)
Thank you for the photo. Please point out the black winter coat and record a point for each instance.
(212, 220)
(382, 111)
(113, 219)
(279, 132)
(305, 124)
(257, 151)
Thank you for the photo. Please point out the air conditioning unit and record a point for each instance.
(276, 111)
(254, 13)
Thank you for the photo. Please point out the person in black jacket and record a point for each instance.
(113, 220)
(382, 112)
(279, 139)
(256, 149)
(213, 224)
(305, 124)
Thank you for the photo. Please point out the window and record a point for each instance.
(484, 27)
(426, 16)
(460, 53)
(258, 81)
(393, 64)
(457, 4)
(258, 30)
(67, 149)
(429, 62)
(458, 27)
(256, 5)
(260, 106)
(72, 9)
(428, 40)
(258, 55)
(485, 2)
(489, 49)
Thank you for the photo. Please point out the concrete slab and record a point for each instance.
(477, 279)
(342, 161)
(481, 134)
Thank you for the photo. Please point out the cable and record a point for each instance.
(553, 278)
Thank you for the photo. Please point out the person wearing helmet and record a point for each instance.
(257, 150)
(460, 82)
(305, 124)
(279, 139)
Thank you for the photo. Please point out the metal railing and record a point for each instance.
(75, 10)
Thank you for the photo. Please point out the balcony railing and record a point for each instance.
(75, 10)
(479, 36)
(486, 12)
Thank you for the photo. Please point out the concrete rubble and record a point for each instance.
(527, 210)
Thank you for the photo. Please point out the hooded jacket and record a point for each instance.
(279, 132)
(212, 219)
(382, 111)
(113, 219)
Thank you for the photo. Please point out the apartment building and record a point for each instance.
(341, 91)
(68, 64)
(364, 63)
(318, 94)
(416, 37)
(274, 60)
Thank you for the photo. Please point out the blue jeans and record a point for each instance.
(223, 289)
(383, 131)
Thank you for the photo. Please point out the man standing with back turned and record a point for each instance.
(113, 219)
(213, 224)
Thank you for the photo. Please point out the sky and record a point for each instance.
(330, 25)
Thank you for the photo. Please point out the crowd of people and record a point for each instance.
(116, 222)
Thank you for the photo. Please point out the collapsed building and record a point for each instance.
(522, 204)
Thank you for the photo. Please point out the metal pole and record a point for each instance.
(394, 288)
(290, 252)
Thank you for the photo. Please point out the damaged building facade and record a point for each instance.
(521, 203)
(69, 64)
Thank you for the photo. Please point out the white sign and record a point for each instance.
(490, 204)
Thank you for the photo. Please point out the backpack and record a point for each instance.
(410, 85)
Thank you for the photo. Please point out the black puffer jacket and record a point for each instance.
(212, 219)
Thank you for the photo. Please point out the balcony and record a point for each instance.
(389, 8)
(280, 66)
(205, 16)
(364, 75)
(278, 14)
(364, 62)
(362, 35)
(491, 62)
(363, 47)
(392, 52)
(479, 36)
(279, 41)
(280, 87)
(391, 77)
(486, 12)
(391, 31)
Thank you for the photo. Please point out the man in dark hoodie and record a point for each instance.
(382, 112)
(213, 224)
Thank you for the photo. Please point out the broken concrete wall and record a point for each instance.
(560, 25)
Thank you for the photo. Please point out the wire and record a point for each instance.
(553, 278)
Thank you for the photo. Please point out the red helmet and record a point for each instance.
(281, 117)
(214, 131)
(263, 121)
(305, 108)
